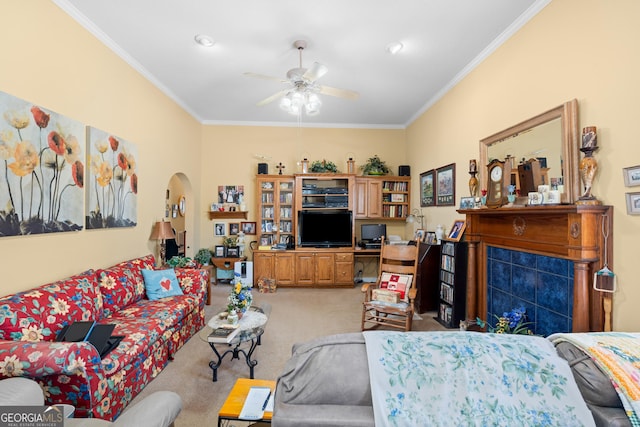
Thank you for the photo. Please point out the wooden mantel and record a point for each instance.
(572, 232)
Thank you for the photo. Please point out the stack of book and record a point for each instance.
(223, 334)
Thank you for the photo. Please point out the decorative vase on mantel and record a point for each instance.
(588, 165)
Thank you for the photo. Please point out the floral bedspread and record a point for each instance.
(471, 379)
(618, 355)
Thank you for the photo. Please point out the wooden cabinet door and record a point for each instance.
(263, 266)
(324, 268)
(344, 269)
(374, 194)
(305, 266)
(360, 205)
(285, 268)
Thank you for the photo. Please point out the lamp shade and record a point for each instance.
(161, 231)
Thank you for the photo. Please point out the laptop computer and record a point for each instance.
(99, 335)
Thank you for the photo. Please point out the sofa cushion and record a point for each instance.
(118, 287)
(161, 283)
(300, 383)
(147, 262)
(399, 283)
(39, 314)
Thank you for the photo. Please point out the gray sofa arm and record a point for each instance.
(20, 391)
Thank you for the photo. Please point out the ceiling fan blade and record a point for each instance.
(316, 71)
(272, 98)
(340, 93)
(262, 76)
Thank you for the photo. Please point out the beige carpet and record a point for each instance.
(297, 315)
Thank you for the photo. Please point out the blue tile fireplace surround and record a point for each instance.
(541, 284)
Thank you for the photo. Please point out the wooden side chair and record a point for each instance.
(389, 301)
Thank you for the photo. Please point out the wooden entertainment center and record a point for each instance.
(281, 200)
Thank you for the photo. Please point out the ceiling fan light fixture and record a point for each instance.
(394, 47)
(204, 40)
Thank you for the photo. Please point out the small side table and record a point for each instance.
(223, 264)
(232, 407)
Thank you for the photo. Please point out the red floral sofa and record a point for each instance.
(74, 372)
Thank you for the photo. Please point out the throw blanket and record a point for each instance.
(618, 355)
(470, 379)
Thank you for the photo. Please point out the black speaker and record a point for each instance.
(404, 170)
(263, 169)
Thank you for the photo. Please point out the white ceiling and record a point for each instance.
(443, 40)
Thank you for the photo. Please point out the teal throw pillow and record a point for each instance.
(161, 283)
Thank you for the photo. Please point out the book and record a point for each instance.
(223, 335)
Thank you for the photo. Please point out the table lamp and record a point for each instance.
(162, 231)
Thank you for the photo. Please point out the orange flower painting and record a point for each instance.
(41, 169)
(112, 181)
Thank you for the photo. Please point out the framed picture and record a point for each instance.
(219, 251)
(219, 229)
(446, 185)
(633, 203)
(234, 228)
(397, 198)
(467, 203)
(265, 241)
(431, 238)
(631, 176)
(457, 230)
(248, 227)
(427, 190)
(233, 252)
(419, 235)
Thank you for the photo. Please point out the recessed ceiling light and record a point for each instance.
(394, 47)
(204, 40)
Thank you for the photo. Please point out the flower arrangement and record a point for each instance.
(323, 166)
(513, 322)
(230, 241)
(240, 297)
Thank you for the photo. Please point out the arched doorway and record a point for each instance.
(179, 211)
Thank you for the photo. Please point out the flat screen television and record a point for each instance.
(372, 232)
(325, 229)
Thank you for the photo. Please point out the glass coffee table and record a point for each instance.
(251, 328)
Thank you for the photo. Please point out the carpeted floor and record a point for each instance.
(297, 315)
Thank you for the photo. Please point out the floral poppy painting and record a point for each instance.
(42, 174)
(112, 181)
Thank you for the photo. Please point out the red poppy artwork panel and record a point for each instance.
(112, 181)
(42, 174)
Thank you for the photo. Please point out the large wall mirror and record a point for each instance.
(552, 135)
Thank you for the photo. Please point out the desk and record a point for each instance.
(372, 255)
(232, 407)
(225, 264)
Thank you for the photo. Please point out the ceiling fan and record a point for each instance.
(303, 89)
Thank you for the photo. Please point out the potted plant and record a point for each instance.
(323, 167)
(203, 256)
(375, 166)
(181, 262)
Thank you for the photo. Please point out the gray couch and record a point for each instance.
(326, 383)
(159, 409)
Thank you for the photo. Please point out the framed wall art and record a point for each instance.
(219, 229)
(633, 203)
(427, 189)
(446, 185)
(631, 176)
(234, 228)
(248, 227)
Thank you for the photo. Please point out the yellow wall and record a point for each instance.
(50, 60)
(584, 49)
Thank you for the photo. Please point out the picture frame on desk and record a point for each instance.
(233, 252)
(419, 235)
(430, 238)
(219, 251)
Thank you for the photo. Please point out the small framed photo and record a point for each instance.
(446, 185)
(248, 227)
(631, 176)
(457, 230)
(219, 229)
(633, 203)
(427, 190)
(234, 228)
(219, 251)
(265, 241)
(431, 238)
(419, 236)
(467, 203)
(233, 252)
(397, 198)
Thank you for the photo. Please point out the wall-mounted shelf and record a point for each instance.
(228, 214)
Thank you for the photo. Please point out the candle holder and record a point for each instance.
(473, 181)
(588, 165)
(305, 165)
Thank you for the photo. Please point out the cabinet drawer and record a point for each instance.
(344, 257)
